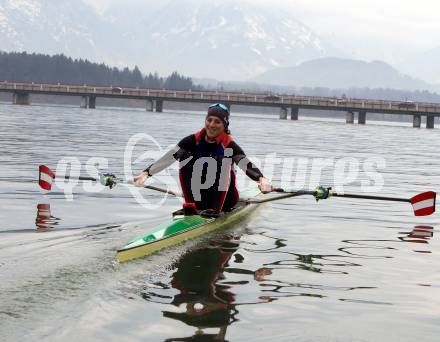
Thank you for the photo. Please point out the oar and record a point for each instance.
(423, 203)
(46, 177)
(166, 191)
(287, 194)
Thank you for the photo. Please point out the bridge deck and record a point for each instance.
(236, 98)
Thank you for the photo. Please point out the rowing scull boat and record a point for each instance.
(181, 228)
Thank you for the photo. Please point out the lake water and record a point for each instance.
(296, 270)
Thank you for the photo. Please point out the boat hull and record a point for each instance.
(183, 228)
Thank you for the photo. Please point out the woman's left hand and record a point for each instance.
(265, 185)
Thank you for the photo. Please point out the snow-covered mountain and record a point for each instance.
(49, 27)
(222, 39)
(229, 40)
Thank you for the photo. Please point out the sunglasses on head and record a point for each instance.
(220, 105)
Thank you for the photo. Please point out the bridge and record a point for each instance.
(155, 99)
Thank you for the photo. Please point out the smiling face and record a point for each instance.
(214, 127)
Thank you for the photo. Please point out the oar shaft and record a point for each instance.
(380, 198)
(151, 187)
(334, 194)
(285, 195)
(162, 190)
(81, 178)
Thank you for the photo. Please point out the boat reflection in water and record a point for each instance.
(205, 292)
(44, 220)
(208, 303)
(420, 234)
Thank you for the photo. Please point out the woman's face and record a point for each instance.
(214, 127)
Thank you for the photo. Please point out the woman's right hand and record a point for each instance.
(140, 179)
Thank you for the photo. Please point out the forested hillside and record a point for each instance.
(39, 68)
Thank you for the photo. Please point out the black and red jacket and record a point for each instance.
(194, 154)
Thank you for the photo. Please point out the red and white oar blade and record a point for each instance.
(46, 177)
(424, 203)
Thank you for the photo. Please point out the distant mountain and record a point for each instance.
(227, 40)
(341, 73)
(60, 26)
(221, 39)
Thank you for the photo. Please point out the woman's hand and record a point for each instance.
(265, 185)
(140, 179)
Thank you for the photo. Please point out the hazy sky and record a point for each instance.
(405, 22)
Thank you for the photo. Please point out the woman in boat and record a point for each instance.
(206, 171)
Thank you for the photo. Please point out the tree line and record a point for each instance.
(40, 68)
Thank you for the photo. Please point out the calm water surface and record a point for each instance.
(297, 270)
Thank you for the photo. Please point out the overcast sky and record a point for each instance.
(407, 22)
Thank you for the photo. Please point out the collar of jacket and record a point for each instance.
(223, 139)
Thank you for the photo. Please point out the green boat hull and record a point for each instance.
(182, 228)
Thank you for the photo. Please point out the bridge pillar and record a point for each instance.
(417, 120)
(283, 113)
(430, 121)
(92, 102)
(21, 99)
(150, 105)
(362, 118)
(349, 117)
(294, 113)
(159, 106)
(84, 102)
